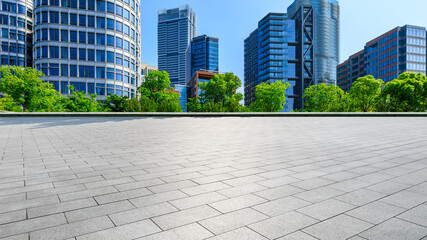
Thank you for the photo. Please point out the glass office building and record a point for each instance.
(93, 45)
(300, 47)
(326, 37)
(176, 28)
(16, 21)
(402, 49)
(202, 54)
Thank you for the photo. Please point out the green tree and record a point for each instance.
(365, 93)
(26, 89)
(115, 103)
(218, 95)
(156, 95)
(77, 101)
(7, 104)
(270, 97)
(408, 93)
(324, 98)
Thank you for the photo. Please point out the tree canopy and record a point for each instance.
(324, 98)
(365, 92)
(270, 97)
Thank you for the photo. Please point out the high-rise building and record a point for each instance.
(16, 21)
(294, 48)
(176, 28)
(202, 54)
(403, 49)
(93, 45)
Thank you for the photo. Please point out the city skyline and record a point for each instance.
(243, 22)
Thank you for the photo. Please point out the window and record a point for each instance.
(100, 22)
(90, 38)
(100, 39)
(110, 7)
(91, 55)
(64, 18)
(73, 36)
(22, 9)
(119, 27)
(54, 70)
(100, 72)
(65, 3)
(54, 17)
(110, 57)
(54, 52)
(82, 20)
(91, 88)
(110, 40)
(44, 34)
(73, 53)
(64, 35)
(119, 59)
(91, 5)
(126, 45)
(119, 42)
(100, 89)
(44, 17)
(119, 10)
(82, 4)
(13, 21)
(73, 19)
(54, 2)
(126, 29)
(126, 14)
(73, 3)
(64, 70)
(82, 37)
(44, 52)
(64, 53)
(82, 54)
(110, 73)
(54, 34)
(100, 5)
(100, 56)
(110, 24)
(90, 21)
(73, 70)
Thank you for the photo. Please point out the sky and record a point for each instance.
(233, 20)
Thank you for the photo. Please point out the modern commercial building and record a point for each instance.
(93, 45)
(176, 28)
(16, 22)
(145, 69)
(300, 47)
(202, 54)
(403, 49)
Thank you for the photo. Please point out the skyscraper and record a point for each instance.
(202, 54)
(300, 47)
(326, 32)
(16, 32)
(176, 28)
(92, 45)
(402, 49)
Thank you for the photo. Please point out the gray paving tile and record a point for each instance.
(189, 232)
(297, 235)
(340, 227)
(31, 225)
(278, 192)
(184, 217)
(416, 215)
(237, 203)
(231, 221)
(360, 197)
(318, 194)
(242, 190)
(376, 212)
(326, 209)
(97, 211)
(239, 234)
(205, 188)
(129, 231)
(395, 229)
(60, 207)
(190, 202)
(86, 193)
(405, 199)
(282, 225)
(157, 198)
(114, 197)
(15, 216)
(281, 206)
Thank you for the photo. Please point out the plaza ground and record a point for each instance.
(213, 178)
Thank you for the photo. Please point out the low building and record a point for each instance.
(146, 69)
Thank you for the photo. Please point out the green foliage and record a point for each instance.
(115, 103)
(156, 95)
(324, 98)
(79, 102)
(365, 93)
(27, 90)
(218, 95)
(408, 93)
(7, 104)
(270, 97)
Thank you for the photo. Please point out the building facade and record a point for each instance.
(202, 54)
(145, 69)
(92, 45)
(176, 28)
(403, 49)
(289, 48)
(16, 21)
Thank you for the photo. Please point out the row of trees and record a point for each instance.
(23, 90)
(408, 93)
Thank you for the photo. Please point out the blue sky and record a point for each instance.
(233, 20)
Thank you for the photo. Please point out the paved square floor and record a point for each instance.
(213, 178)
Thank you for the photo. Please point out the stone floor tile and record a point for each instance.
(326, 209)
(239, 234)
(237, 203)
(395, 229)
(376, 212)
(416, 215)
(189, 232)
(281, 206)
